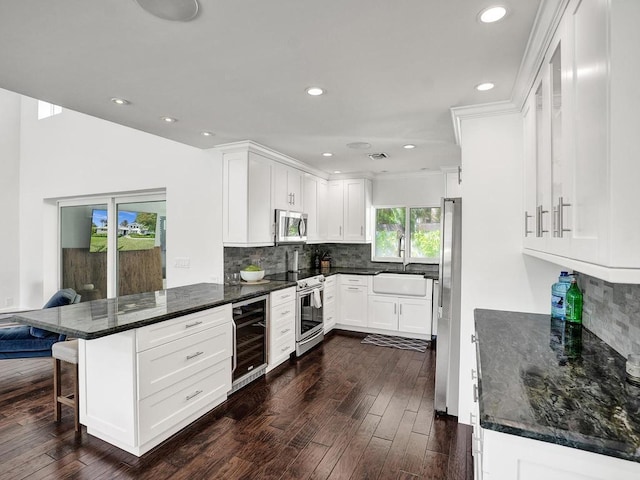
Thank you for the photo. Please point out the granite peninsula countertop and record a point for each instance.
(543, 379)
(98, 318)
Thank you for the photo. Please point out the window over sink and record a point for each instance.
(406, 234)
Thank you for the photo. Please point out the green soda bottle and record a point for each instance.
(574, 303)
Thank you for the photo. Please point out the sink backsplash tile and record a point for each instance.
(274, 259)
(612, 312)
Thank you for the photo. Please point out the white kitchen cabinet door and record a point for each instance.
(287, 188)
(315, 199)
(349, 209)
(353, 305)
(247, 215)
(355, 218)
(453, 183)
(335, 204)
(383, 312)
(414, 316)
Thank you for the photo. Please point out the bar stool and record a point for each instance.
(65, 352)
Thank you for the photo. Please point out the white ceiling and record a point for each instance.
(392, 69)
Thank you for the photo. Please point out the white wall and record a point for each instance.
(419, 189)
(9, 197)
(73, 154)
(495, 273)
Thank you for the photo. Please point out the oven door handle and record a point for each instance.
(307, 340)
(235, 348)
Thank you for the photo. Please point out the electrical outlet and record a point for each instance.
(182, 262)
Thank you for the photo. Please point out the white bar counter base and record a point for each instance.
(141, 386)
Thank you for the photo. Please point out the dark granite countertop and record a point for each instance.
(543, 379)
(98, 318)
(305, 273)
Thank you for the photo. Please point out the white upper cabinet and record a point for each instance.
(315, 206)
(349, 210)
(582, 146)
(247, 216)
(256, 182)
(287, 187)
(452, 182)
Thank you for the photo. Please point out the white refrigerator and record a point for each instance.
(448, 321)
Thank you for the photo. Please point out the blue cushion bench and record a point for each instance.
(23, 341)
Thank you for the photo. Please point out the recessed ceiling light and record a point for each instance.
(359, 145)
(169, 119)
(492, 14)
(120, 101)
(327, 154)
(483, 87)
(207, 134)
(315, 91)
(174, 10)
(337, 171)
(409, 146)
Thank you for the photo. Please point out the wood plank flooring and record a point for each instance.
(343, 411)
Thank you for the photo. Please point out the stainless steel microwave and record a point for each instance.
(291, 227)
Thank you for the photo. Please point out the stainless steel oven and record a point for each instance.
(309, 322)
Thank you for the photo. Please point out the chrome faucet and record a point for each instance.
(403, 253)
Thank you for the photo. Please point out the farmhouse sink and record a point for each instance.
(399, 284)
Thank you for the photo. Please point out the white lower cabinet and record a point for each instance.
(282, 327)
(353, 300)
(329, 310)
(400, 315)
(139, 387)
(510, 457)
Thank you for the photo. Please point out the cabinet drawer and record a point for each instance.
(281, 349)
(283, 296)
(330, 281)
(162, 366)
(354, 280)
(164, 332)
(168, 407)
(329, 295)
(282, 322)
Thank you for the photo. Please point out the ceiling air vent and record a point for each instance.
(378, 156)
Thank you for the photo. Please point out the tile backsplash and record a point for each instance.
(612, 312)
(274, 259)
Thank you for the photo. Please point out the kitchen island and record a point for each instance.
(150, 364)
(550, 393)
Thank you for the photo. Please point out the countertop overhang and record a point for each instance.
(549, 380)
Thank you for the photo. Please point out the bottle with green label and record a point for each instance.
(574, 303)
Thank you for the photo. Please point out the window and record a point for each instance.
(46, 110)
(407, 234)
(113, 246)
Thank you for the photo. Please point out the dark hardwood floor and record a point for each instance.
(345, 410)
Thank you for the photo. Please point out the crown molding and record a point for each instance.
(544, 26)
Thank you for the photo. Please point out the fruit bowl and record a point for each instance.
(252, 275)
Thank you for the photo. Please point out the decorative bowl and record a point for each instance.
(252, 276)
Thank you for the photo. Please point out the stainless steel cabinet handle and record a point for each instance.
(193, 395)
(284, 349)
(194, 324)
(235, 356)
(540, 211)
(287, 312)
(561, 206)
(353, 288)
(340, 230)
(475, 394)
(400, 309)
(526, 224)
(472, 418)
(194, 355)
(361, 230)
(474, 375)
(474, 339)
(282, 332)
